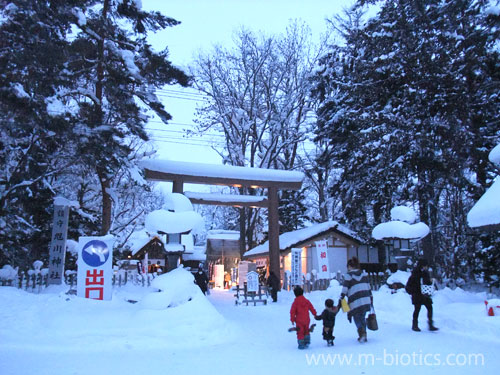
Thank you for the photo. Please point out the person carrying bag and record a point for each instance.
(421, 287)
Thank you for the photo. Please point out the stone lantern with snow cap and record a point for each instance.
(398, 233)
(177, 221)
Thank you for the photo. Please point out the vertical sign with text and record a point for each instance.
(296, 276)
(322, 254)
(252, 281)
(95, 272)
(57, 251)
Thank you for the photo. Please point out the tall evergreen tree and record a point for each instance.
(406, 103)
(116, 72)
(33, 140)
(77, 78)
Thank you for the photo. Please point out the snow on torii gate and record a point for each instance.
(227, 175)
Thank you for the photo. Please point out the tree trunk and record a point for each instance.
(101, 172)
(107, 203)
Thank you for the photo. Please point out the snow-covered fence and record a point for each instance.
(32, 281)
(377, 279)
(260, 296)
(8, 275)
(310, 283)
(120, 278)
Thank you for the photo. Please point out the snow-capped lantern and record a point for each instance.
(398, 232)
(177, 222)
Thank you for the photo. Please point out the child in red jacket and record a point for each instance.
(299, 315)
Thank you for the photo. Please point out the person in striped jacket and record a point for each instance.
(356, 287)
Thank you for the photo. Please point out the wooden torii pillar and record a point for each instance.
(272, 180)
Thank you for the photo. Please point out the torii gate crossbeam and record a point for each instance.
(207, 174)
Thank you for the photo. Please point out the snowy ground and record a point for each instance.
(55, 333)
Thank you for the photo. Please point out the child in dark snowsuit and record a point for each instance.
(299, 315)
(328, 317)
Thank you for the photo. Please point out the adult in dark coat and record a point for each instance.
(274, 283)
(201, 279)
(420, 275)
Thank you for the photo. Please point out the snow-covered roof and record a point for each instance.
(225, 197)
(221, 171)
(219, 234)
(198, 253)
(140, 239)
(486, 211)
(290, 239)
(400, 229)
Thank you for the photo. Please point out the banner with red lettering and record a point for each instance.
(95, 271)
(322, 254)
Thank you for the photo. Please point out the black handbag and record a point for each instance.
(371, 320)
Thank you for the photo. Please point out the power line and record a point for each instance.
(178, 92)
(182, 132)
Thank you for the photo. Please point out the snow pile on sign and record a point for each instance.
(174, 289)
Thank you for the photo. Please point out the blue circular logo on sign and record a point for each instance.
(95, 253)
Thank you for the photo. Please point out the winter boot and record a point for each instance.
(307, 340)
(302, 344)
(414, 326)
(432, 327)
(362, 335)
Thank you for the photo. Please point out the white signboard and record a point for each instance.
(243, 268)
(296, 276)
(95, 272)
(219, 276)
(322, 254)
(252, 281)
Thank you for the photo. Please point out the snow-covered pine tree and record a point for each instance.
(116, 73)
(34, 135)
(408, 102)
(77, 80)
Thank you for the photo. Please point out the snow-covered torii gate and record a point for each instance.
(227, 175)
